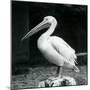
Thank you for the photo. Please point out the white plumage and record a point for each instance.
(54, 48)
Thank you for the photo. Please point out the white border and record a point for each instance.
(60, 1)
(5, 44)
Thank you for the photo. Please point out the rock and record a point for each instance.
(53, 82)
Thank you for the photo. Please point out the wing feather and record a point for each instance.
(64, 49)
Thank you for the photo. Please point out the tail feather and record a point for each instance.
(75, 68)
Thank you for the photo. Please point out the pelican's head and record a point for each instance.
(50, 19)
(47, 21)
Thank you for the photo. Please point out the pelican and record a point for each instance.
(54, 48)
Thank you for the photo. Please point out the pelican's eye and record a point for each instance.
(46, 19)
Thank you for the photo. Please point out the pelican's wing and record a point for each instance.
(64, 49)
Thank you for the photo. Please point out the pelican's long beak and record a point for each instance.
(40, 26)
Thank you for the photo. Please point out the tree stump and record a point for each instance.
(56, 82)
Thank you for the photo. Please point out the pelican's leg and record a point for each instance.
(59, 71)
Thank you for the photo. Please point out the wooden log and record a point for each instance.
(56, 82)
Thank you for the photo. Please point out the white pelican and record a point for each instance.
(54, 48)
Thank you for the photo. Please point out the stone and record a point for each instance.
(56, 82)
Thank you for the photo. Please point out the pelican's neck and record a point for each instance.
(51, 29)
(46, 35)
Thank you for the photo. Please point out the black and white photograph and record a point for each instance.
(48, 45)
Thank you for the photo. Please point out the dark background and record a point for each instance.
(72, 27)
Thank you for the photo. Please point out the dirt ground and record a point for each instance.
(34, 75)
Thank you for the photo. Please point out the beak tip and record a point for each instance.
(22, 39)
